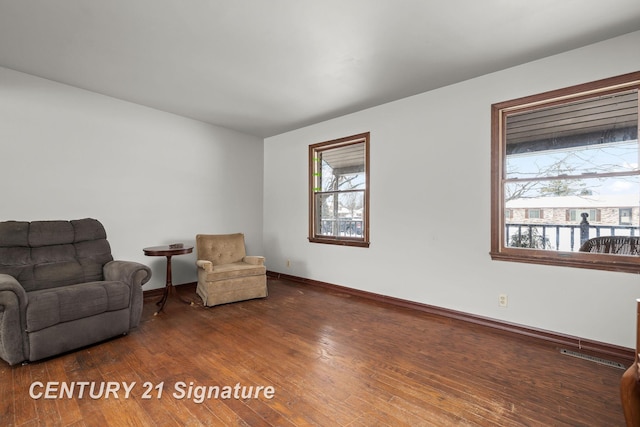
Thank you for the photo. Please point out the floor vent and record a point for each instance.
(593, 359)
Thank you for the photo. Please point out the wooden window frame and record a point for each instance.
(499, 251)
(315, 237)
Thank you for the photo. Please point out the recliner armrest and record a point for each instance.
(254, 260)
(9, 283)
(205, 265)
(13, 305)
(127, 271)
(133, 274)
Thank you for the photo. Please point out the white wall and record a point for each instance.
(150, 177)
(430, 206)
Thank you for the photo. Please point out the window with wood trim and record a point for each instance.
(339, 191)
(564, 171)
(626, 216)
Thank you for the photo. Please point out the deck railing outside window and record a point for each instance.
(561, 237)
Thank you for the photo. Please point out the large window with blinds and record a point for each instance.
(565, 177)
(339, 191)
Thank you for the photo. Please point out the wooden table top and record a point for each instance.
(168, 250)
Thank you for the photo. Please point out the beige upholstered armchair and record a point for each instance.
(225, 272)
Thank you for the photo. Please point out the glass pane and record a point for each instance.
(329, 182)
(547, 214)
(325, 215)
(340, 214)
(343, 168)
(585, 192)
(594, 135)
(603, 158)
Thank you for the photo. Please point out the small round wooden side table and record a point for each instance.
(168, 251)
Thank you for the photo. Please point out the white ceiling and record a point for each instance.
(264, 67)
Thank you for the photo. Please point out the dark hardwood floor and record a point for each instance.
(332, 359)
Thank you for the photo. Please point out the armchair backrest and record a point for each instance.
(49, 254)
(220, 248)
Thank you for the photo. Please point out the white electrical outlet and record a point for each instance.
(503, 301)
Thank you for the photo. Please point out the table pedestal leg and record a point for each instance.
(168, 289)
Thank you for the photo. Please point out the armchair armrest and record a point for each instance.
(255, 260)
(205, 265)
(127, 271)
(13, 306)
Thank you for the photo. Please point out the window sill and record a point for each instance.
(619, 263)
(340, 242)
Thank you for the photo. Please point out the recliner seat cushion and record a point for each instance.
(49, 307)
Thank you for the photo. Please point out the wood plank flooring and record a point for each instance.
(332, 359)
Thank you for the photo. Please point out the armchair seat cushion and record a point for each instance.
(233, 270)
(49, 307)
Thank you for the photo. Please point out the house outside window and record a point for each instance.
(561, 154)
(339, 191)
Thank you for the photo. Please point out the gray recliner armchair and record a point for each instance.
(61, 290)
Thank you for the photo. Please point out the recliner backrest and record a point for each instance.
(48, 254)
